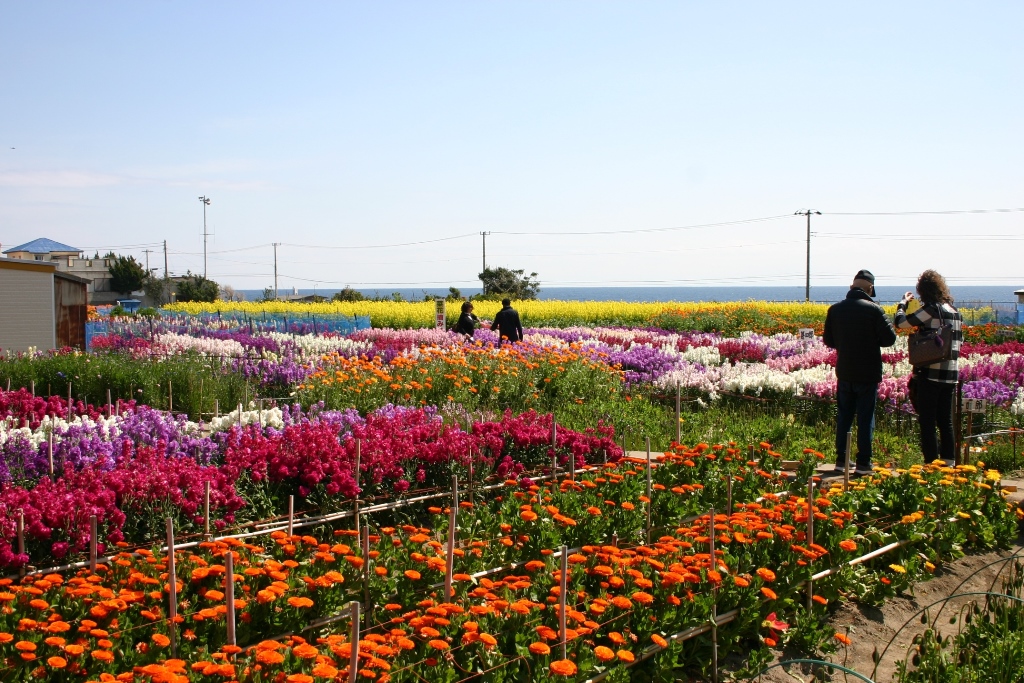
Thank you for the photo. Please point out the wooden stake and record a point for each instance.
(728, 494)
(679, 415)
(450, 555)
(216, 407)
(291, 516)
(229, 594)
(650, 501)
(355, 506)
(714, 603)
(846, 463)
(353, 659)
(365, 547)
(109, 407)
(49, 441)
(21, 539)
(554, 445)
(563, 589)
(71, 405)
(93, 543)
(206, 509)
(810, 538)
(172, 588)
(33, 383)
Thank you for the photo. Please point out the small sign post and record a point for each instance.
(806, 333)
(439, 314)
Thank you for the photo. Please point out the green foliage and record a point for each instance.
(148, 312)
(268, 294)
(156, 288)
(453, 294)
(127, 274)
(197, 288)
(504, 282)
(195, 382)
(348, 294)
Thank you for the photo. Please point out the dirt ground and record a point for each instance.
(871, 628)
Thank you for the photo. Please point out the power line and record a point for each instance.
(918, 213)
(921, 238)
(642, 230)
(379, 246)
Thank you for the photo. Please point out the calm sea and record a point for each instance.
(1001, 297)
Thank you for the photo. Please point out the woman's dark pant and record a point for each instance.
(934, 408)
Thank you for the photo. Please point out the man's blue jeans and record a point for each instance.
(856, 399)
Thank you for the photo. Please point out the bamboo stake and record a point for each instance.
(49, 441)
(109, 407)
(70, 404)
(554, 445)
(33, 384)
(728, 494)
(172, 588)
(170, 397)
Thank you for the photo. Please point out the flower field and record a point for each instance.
(269, 452)
(624, 598)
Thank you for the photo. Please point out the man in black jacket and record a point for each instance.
(857, 328)
(507, 324)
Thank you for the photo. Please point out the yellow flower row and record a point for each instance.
(402, 315)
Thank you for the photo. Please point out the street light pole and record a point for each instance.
(206, 202)
(807, 283)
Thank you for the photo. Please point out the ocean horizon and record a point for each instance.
(1001, 296)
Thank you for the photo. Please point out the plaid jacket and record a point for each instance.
(927, 316)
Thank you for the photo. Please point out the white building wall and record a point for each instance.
(26, 308)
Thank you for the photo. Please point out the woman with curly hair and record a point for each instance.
(934, 385)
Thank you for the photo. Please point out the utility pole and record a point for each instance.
(807, 284)
(148, 252)
(276, 245)
(165, 260)
(484, 235)
(206, 202)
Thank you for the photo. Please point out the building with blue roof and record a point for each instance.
(43, 249)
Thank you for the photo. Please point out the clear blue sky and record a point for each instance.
(359, 124)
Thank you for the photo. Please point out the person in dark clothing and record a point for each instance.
(934, 385)
(467, 321)
(857, 328)
(507, 324)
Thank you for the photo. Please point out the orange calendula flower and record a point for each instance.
(768, 593)
(604, 654)
(56, 662)
(161, 640)
(848, 546)
(541, 649)
(658, 640)
(625, 656)
(843, 638)
(438, 644)
(563, 667)
(300, 602)
(412, 574)
(767, 574)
